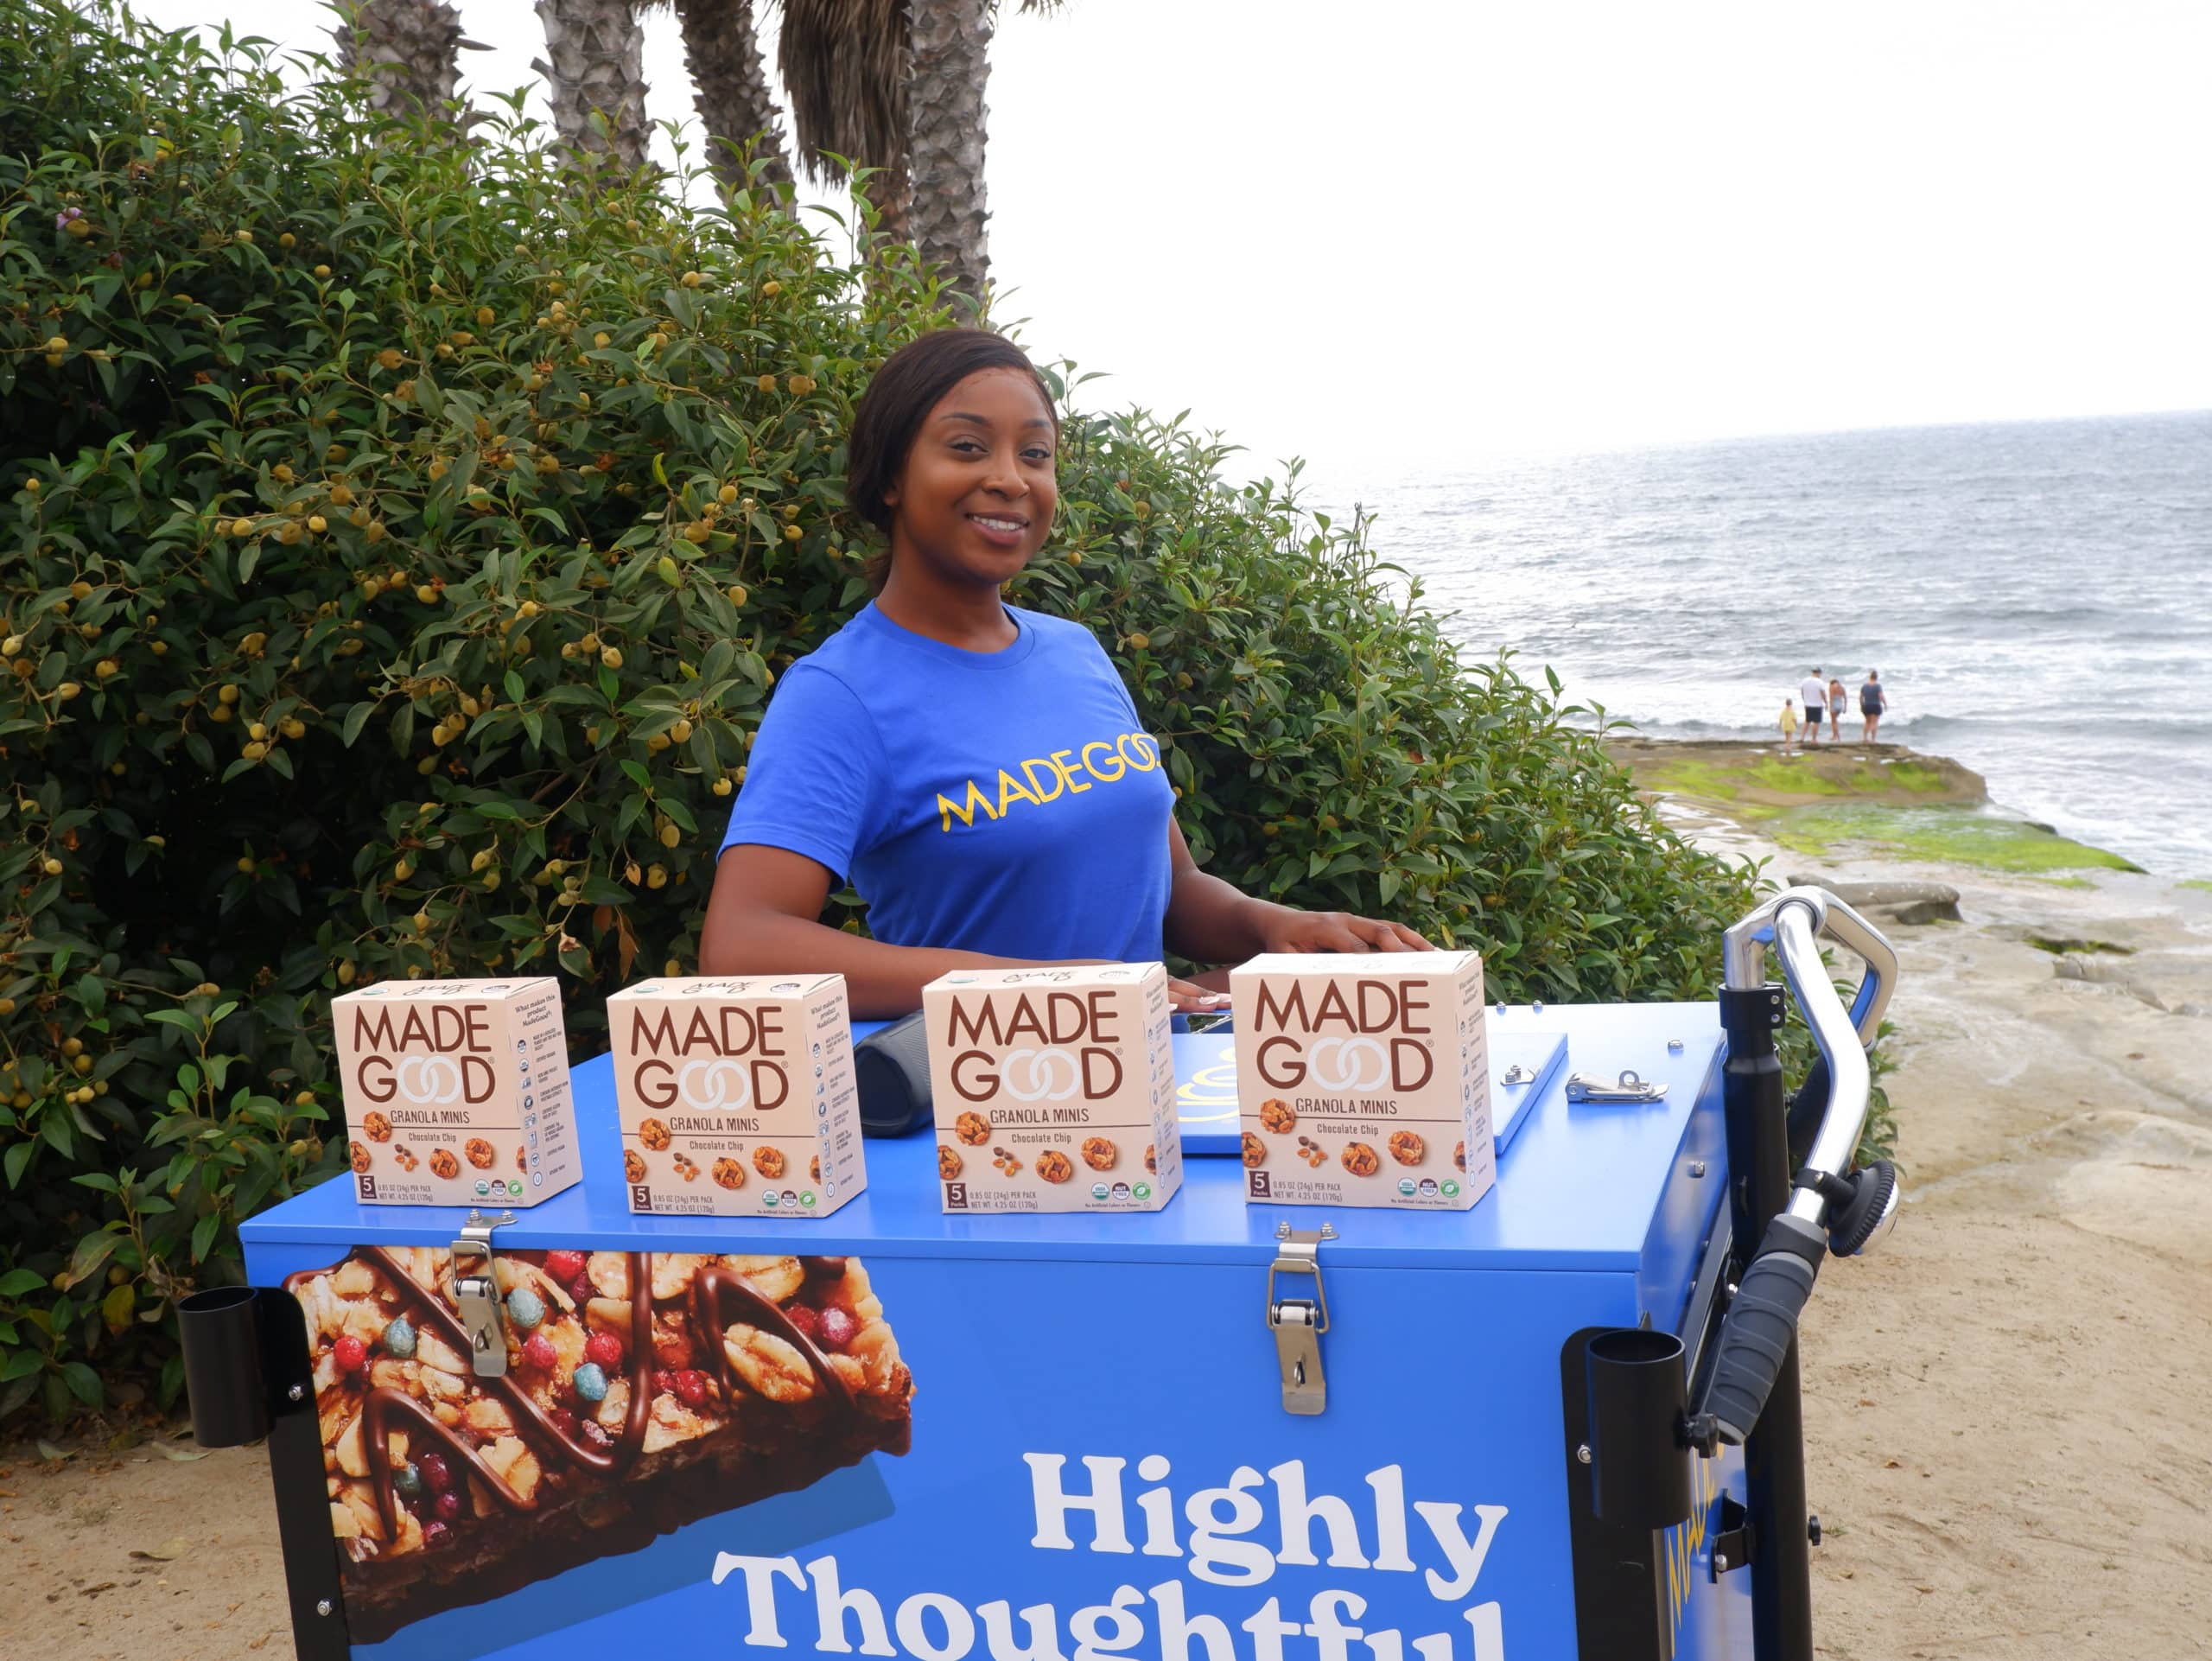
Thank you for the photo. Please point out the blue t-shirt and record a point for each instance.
(1002, 802)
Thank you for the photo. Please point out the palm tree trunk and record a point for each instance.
(721, 48)
(409, 50)
(593, 62)
(949, 44)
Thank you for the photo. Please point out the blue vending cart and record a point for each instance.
(1529, 1432)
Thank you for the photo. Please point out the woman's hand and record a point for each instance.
(1338, 931)
(1188, 998)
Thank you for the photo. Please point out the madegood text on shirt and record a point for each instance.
(1043, 780)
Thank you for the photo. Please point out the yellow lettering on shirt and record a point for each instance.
(1091, 766)
(966, 811)
(1029, 772)
(1045, 779)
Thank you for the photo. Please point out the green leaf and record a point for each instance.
(16, 1281)
(203, 1235)
(84, 1383)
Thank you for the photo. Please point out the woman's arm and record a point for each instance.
(762, 918)
(1209, 920)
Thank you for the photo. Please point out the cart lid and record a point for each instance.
(1582, 1187)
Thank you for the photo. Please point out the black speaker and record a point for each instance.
(891, 1068)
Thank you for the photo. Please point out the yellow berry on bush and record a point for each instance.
(105, 667)
(485, 317)
(254, 752)
(792, 533)
(317, 524)
(287, 240)
(656, 877)
(322, 271)
(293, 726)
(246, 864)
(767, 383)
(720, 787)
(67, 689)
(692, 279)
(257, 731)
(681, 732)
(611, 656)
(52, 867)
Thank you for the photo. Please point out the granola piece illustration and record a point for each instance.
(478, 1153)
(1150, 1162)
(442, 1164)
(1459, 1155)
(769, 1161)
(1100, 1153)
(1054, 1166)
(654, 1135)
(1255, 1151)
(375, 1127)
(358, 1155)
(728, 1174)
(1360, 1159)
(949, 1162)
(643, 1391)
(1406, 1148)
(973, 1129)
(633, 1166)
(1275, 1116)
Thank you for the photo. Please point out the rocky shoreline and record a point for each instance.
(1982, 1393)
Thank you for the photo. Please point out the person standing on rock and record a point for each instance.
(1838, 702)
(1788, 726)
(1815, 691)
(1871, 701)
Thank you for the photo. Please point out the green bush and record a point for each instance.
(402, 541)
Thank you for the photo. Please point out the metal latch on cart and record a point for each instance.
(476, 1292)
(1631, 1086)
(1298, 1323)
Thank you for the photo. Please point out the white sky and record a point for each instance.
(1396, 235)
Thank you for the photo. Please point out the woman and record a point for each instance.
(978, 771)
(1871, 701)
(1838, 702)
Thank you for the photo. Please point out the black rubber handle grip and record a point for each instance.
(1762, 1324)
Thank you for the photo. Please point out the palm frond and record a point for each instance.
(843, 63)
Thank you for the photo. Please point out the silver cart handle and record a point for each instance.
(1829, 1210)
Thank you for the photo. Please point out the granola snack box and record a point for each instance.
(1054, 1088)
(737, 1096)
(1363, 1079)
(457, 1092)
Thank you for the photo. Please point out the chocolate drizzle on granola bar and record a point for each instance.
(717, 1288)
(714, 1291)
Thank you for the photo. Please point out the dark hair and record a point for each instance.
(908, 386)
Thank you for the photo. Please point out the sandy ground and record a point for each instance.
(2009, 1408)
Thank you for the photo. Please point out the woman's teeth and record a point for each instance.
(1007, 525)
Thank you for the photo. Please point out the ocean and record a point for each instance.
(2037, 597)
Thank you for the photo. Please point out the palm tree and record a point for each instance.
(898, 85)
(409, 51)
(594, 63)
(721, 48)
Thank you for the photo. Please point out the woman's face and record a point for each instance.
(975, 498)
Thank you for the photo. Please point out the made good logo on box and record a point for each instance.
(431, 1055)
(713, 1058)
(1067, 1058)
(1354, 1058)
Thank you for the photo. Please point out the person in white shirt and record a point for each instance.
(1815, 691)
